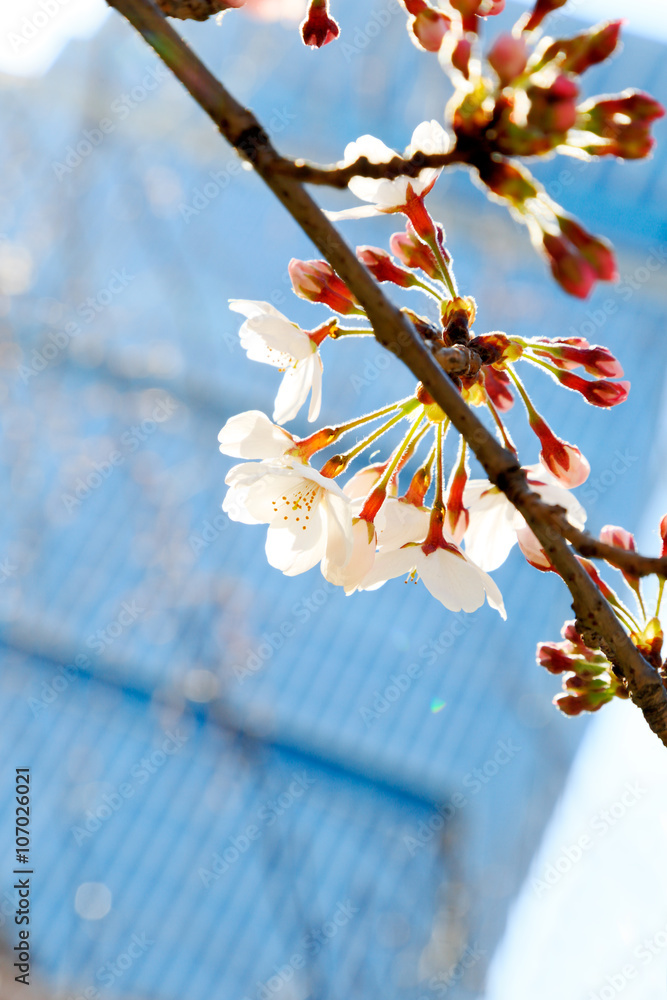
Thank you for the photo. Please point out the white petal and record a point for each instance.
(429, 137)
(399, 522)
(250, 308)
(366, 188)
(360, 212)
(274, 335)
(390, 563)
(296, 553)
(253, 435)
(360, 562)
(315, 362)
(293, 392)
(362, 482)
(491, 530)
(340, 539)
(457, 583)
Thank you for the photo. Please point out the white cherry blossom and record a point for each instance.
(391, 195)
(252, 435)
(495, 525)
(271, 338)
(447, 572)
(309, 516)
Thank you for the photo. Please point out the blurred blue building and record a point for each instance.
(240, 790)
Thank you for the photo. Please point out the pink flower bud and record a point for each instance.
(663, 535)
(316, 281)
(622, 122)
(382, 267)
(570, 704)
(497, 385)
(507, 180)
(570, 269)
(598, 252)
(508, 56)
(413, 253)
(319, 28)
(622, 539)
(600, 393)
(553, 109)
(461, 57)
(613, 535)
(429, 28)
(563, 460)
(598, 361)
(540, 11)
(552, 656)
(577, 54)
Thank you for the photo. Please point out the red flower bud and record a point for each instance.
(413, 253)
(596, 251)
(613, 535)
(600, 393)
(570, 704)
(508, 56)
(577, 54)
(663, 535)
(540, 11)
(622, 539)
(508, 180)
(623, 123)
(563, 460)
(382, 267)
(570, 269)
(554, 108)
(429, 28)
(461, 57)
(598, 361)
(552, 656)
(316, 281)
(318, 28)
(497, 385)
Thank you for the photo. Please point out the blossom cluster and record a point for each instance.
(589, 678)
(401, 516)
(524, 99)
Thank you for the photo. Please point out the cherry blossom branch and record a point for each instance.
(593, 548)
(393, 330)
(339, 176)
